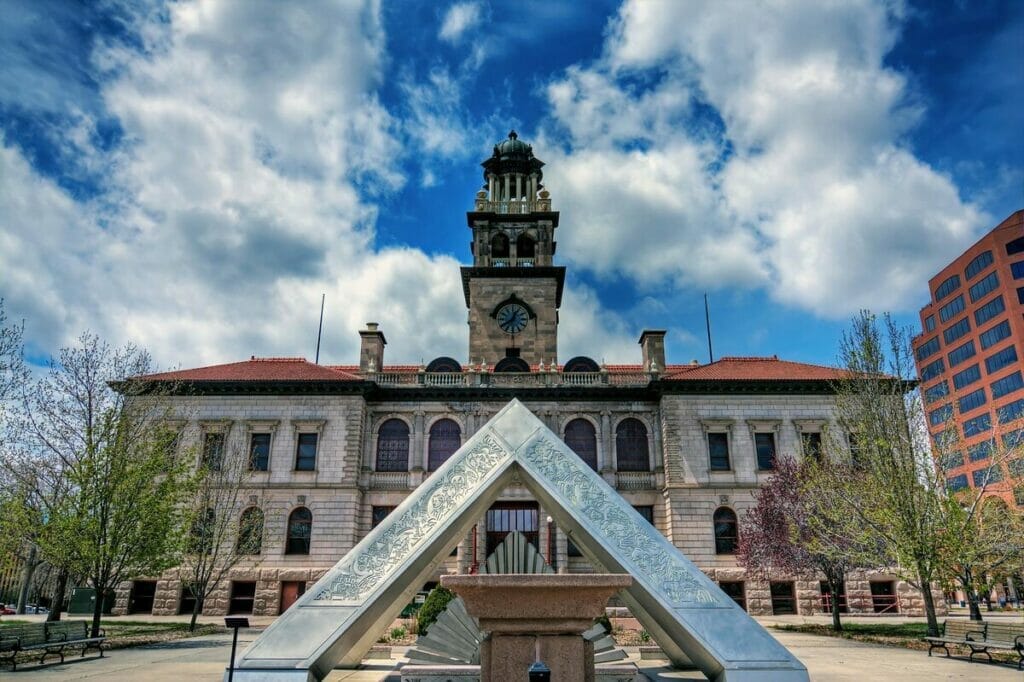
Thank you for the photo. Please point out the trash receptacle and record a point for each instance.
(83, 599)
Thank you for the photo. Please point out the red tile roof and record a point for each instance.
(753, 369)
(259, 369)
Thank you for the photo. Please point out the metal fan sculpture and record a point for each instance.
(454, 638)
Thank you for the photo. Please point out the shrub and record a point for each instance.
(432, 607)
(645, 636)
(605, 622)
(397, 634)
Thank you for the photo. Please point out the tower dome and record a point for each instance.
(512, 155)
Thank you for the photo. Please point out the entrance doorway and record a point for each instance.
(291, 590)
(505, 517)
(141, 600)
(883, 597)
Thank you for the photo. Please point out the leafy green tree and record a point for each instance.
(432, 607)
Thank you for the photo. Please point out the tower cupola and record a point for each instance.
(512, 179)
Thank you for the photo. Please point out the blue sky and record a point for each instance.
(192, 176)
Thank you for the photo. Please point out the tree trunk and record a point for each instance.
(26, 579)
(57, 603)
(835, 586)
(929, 608)
(97, 611)
(196, 608)
(972, 603)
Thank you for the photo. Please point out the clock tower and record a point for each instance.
(513, 290)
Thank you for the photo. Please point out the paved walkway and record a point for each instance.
(202, 659)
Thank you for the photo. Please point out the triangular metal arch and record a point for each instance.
(336, 621)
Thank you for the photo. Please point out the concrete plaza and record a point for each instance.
(203, 659)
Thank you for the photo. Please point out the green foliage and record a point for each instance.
(435, 603)
(604, 622)
(397, 633)
(645, 637)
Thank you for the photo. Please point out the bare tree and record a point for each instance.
(226, 527)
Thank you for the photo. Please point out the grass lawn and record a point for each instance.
(905, 635)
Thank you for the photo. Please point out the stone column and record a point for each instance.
(605, 463)
(508, 189)
(519, 186)
(417, 448)
(659, 456)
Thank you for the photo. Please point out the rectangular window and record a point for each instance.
(952, 309)
(953, 333)
(1013, 438)
(1000, 359)
(1017, 269)
(989, 310)
(929, 323)
(952, 460)
(379, 514)
(1016, 467)
(933, 369)
(811, 444)
(980, 424)
(735, 592)
(978, 264)
(961, 353)
(1020, 294)
(259, 452)
(243, 595)
(305, 452)
(966, 377)
(944, 438)
(1016, 246)
(765, 445)
(1018, 495)
(981, 451)
(718, 449)
(986, 475)
(936, 392)
(940, 415)
(956, 483)
(1011, 412)
(971, 401)
(646, 511)
(783, 598)
(1007, 385)
(992, 336)
(927, 349)
(213, 450)
(947, 287)
(984, 287)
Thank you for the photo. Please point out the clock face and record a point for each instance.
(512, 318)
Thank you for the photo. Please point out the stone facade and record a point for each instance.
(677, 441)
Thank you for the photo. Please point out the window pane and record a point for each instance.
(956, 483)
(933, 369)
(1016, 246)
(989, 310)
(929, 323)
(581, 438)
(978, 264)
(379, 514)
(979, 424)
(765, 444)
(983, 450)
(940, 415)
(966, 377)
(811, 443)
(259, 452)
(718, 449)
(952, 309)
(213, 450)
(947, 287)
(986, 475)
(393, 446)
(961, 353)
(929, 348)
(972, 401)
(646, 511)
(936, 392)
(1000, 359)
(995, 334)
(305, 455)
(726, 535)
(445, 439)
(1011, 412)
(1007, 385)
(959, 328)
(250, 531)
(300, 530)
(984, 287)
(1017, 269)
(631, 446)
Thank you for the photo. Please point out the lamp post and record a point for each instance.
(234, 622)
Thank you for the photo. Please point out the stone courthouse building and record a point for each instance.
(333, 449)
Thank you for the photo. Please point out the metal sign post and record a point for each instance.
(234, 622)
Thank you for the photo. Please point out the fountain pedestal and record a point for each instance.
(524, 616)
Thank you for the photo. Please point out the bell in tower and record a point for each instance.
(514, 290)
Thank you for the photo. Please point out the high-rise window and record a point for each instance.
(929, 323)
(933, 369)
(972, 401)
(936, 392)
(1016, 246)
(1007, 385)
(979, 424)
(991, 337)
(989, 310)
(718, 451)
(1017, 269)
(966, 377)
(984, 287)
(927, 349)
(978, 264)
(961, 327)
(952, 309)
(940, 415)
(961, 353)
(1000, 359)
(1011, 412)
(986, 475)
(956, 483)
(765, 445)
(981, 451)
(947, 287)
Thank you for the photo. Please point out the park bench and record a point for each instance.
(50, 639)
(956, 632)
(980, 638)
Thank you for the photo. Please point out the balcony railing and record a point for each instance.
(509, 379)
(514, 206)
(634, 480)
(513, 262)
(389, 480)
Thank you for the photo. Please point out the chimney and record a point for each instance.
(371, 348)
(652, 343)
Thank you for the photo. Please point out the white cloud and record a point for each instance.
(460, 17)
(803, 184)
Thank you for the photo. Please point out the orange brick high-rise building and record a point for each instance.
(970, 358)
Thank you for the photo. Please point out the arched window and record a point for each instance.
(445, 439)
(581, 363)
(300, 529)
(201, 535)
(444, 364)
(250, 531)
(524, 246)
(726, 532)
(393, 446)
(582, 439)
(511, 365)
(499, 246)
(631, 446)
